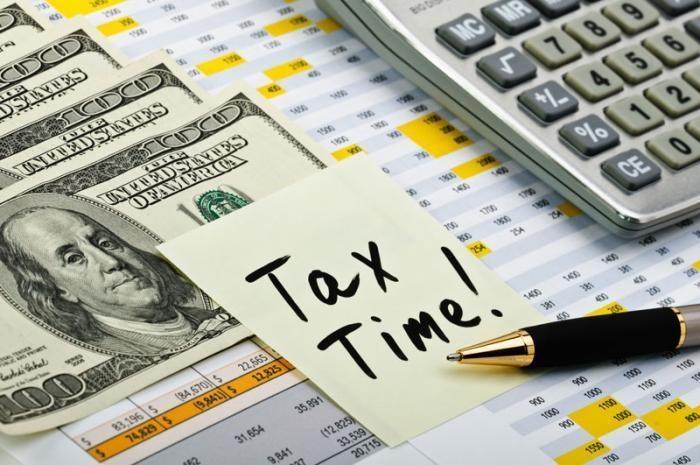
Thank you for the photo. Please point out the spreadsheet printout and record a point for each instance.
(250, 404)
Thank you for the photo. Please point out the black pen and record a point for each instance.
(589, 339)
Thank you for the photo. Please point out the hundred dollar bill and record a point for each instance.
(55, 74)
(20, 24)
(90, 312)
(149, 96)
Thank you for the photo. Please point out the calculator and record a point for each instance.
(600, 99)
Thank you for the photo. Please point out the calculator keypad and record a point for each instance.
(627, 60)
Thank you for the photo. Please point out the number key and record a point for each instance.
(635, 115)
(632, 16)
(593, 31)
(594, 81)
(676, 148)
(673, 47)
(675, 97)
(634, 64)
(553, 48)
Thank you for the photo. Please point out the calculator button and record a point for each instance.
(590, 135)
(632, 16)
(675, 7)
(508, 67)
(634, 64)
(636, 115)
(673, 47)
(632, 170)
(693, 127)
(549, 101)
(555, 8)
(466, 34)
(512, 16)
(693, 27)
(675, 97)
(553, 48)
(693, 76)
(593, 31)
(675, 148)
(594, 81)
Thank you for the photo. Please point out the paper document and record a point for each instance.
(362, 291)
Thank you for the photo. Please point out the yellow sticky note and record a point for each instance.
(435, 135)
(118, 25)
(70, 8)
(364, 292)
(287, 69)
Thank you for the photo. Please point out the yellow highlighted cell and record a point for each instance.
(672, 419)
(478, 249)
(347, 151)
(287, 69)
(189, 409)
(435, 135)
(569, 209)
(118, 25)
(696, 265)
(602, 416)
(476, 166)
(328, 25)
(584, 453)
(612, 307)
(221, 63)
(271, 90)
(287, 25)
(126, 440)
(70, 8)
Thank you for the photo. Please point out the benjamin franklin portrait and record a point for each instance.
(86, 281)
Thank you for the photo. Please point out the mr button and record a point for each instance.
(631, 170)
(466, 34)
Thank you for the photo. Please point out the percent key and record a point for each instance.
(590, 135)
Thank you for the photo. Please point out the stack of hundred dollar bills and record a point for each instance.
(102, 159)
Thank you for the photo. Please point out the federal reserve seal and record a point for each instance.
(220, 202)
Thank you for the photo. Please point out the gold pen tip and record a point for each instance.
(456, 357)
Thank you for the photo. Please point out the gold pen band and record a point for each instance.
(683, 327)
(515, 349)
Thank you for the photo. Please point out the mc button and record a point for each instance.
(466, 34)
(632, 170)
